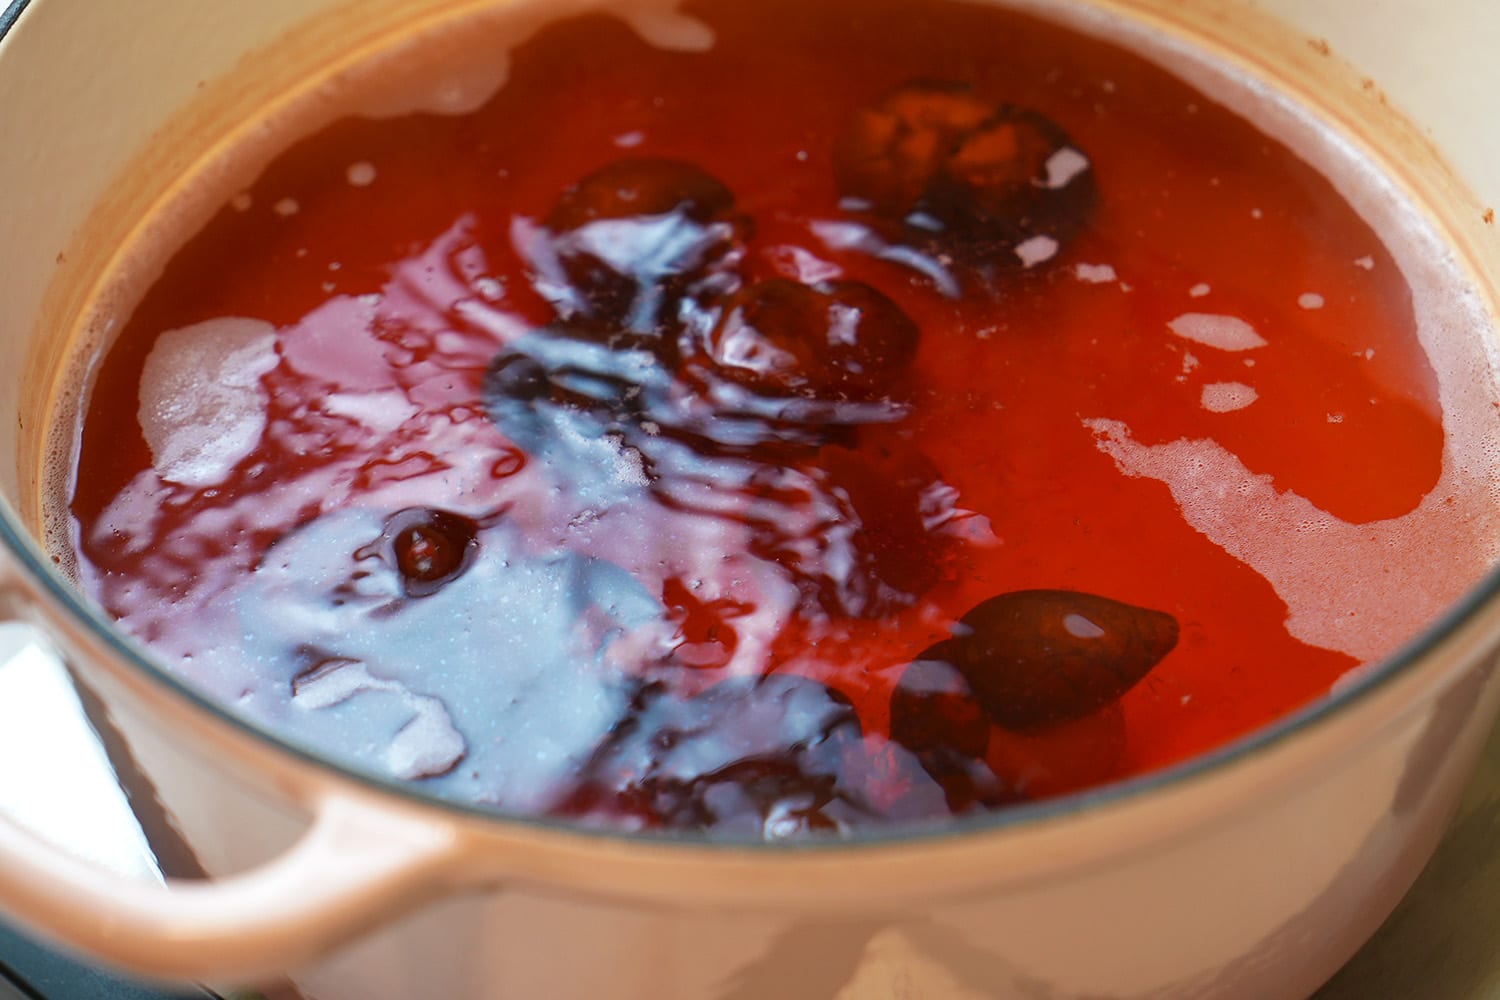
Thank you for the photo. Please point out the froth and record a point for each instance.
(1361, 589)
(1226, 397)
(1227, 333)
(202, 407)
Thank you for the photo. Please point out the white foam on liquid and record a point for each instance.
(1225, 397)
(1036, 250)
(202, 408)
(1361, 589)
(382, 412)
(1227, 333)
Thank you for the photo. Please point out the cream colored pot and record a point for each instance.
(1251, 874)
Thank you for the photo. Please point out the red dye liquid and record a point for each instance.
(558, 527)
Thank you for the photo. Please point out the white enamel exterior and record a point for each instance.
(1253, 879)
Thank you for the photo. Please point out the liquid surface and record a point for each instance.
(742, 439)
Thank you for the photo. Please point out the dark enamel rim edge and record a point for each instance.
(10, 13)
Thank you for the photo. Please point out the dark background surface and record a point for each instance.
(32, 972)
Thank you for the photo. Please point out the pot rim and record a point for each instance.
(1428, 645)
(10, 13)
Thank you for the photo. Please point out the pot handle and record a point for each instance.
(355, 865)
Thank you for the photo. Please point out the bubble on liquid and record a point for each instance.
(1227, 333)
(630, 468)
(286, 207)
(1310, 300)
(1366, 263)
(1095, 274)
(1064, 166)
(1037, 250)
(361, 174)
(1199, 290)
(1225, 397)
(202, 408)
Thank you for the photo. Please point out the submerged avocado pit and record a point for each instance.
(789, 445)
(995, 186)
(1037, 658)
(623, 246)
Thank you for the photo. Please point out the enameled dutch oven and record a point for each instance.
(1250, 873)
